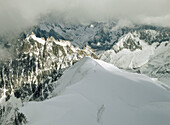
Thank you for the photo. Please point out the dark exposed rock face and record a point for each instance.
(129, 41)
(38, 64)
(20, 119)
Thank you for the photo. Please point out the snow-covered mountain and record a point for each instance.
(158, 65)
(30, 74)
(97, 93)
(131, 52)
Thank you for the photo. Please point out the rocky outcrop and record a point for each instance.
(38, 63)
(130, 41)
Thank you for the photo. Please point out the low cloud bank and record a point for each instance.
(19, 14)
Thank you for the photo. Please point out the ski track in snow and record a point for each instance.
(100, 114)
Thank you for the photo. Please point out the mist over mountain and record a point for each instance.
(52, 55)
(17, 14)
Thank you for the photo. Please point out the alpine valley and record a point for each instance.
(98, 73)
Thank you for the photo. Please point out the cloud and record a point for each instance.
(18, 14)
(163, 20)
(4, 54)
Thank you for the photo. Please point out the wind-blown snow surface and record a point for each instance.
(93, 92)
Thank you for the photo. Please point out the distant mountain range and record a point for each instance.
(133, 47)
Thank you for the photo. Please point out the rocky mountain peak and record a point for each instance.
(38, 63)
(129, 41)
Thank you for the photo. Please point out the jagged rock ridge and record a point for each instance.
(38, 63)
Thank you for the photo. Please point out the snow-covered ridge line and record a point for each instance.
(97, 93)
(42, 40)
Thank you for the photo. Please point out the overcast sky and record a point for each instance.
(17, 14)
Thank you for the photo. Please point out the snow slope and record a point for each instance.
(159, 64)
(93, 92)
